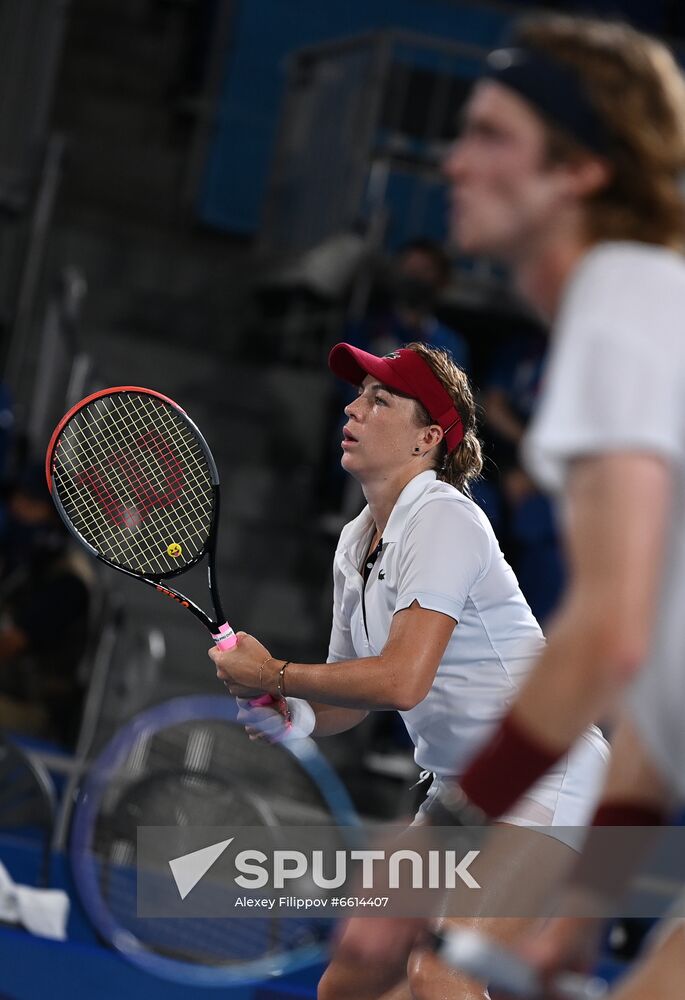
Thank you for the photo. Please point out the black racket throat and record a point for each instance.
(161, 586)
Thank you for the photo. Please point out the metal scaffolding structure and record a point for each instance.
(364, 126)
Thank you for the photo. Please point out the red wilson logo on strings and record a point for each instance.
(123, 468)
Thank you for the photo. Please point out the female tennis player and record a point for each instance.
(428, 617)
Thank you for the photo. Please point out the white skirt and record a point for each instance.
(563, 800)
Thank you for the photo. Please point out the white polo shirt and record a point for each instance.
(439, 549)
(615, 383)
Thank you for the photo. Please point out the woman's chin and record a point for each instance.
(350, 465)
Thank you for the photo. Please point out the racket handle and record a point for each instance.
(268, 700)
(506, 972)
(225, 638)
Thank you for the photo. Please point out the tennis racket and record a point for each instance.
(506, 973)
(135, 483)
(186, 763)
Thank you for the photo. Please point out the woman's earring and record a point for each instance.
(417, 450)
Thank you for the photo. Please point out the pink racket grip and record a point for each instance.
(225, 638)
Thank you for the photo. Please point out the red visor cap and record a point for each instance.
(406, 371)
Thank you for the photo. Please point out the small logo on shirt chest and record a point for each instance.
(381, 575)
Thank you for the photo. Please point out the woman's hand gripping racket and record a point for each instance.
(135, 483)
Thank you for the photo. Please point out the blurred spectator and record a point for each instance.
(528, 531)
(45, 585)
(420, 274)
(511, 391)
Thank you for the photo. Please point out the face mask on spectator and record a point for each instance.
(414, 293)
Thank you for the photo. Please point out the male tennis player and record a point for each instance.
(568, 169)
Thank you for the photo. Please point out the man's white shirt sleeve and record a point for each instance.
(611, 382)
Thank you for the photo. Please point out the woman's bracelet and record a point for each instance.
(261, 668)
(281, 680)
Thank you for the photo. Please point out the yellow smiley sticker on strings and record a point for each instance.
(174, 550)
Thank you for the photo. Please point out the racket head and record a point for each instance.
(135, 482)
(115, 798)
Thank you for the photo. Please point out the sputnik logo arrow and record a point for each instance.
(189, 868)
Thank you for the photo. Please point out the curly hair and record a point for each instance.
(465, 463)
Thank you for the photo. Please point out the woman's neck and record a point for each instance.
(381, 495)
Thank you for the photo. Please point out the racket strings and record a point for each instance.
(226, 750)
(166, 795)
(81, 448)
(174, 799)
(167, 772)
(112, 513)
(128, 516)
(86, 443)
(227, 941)
(134, 480)
(200, 940)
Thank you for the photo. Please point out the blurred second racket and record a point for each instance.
(187, 763)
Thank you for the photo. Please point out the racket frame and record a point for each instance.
(84, 864)
(154, 580)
